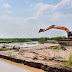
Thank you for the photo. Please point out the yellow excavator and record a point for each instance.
(69, 34)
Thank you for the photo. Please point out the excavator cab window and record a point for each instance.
(41, 30)
(70, 34)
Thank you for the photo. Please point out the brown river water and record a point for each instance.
(9, 66)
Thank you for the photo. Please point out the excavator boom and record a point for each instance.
(62, 28)
(55, 27)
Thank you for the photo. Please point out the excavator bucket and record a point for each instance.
(41, 30)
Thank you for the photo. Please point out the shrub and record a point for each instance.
(53, 47)
(57, 47)
(3, 49)
(63, 48)
(42, 40)
(4, 46)
(70, 60)
(57, 38)
(52, 41)
(16, 48)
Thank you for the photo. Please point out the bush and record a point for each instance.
(58, 38)
(63, 48)
(15, 48)
(4, 46)
(53, 47)
(42, 40)
(57, 47)
(52, 41)
(70, 60)
(3, 49)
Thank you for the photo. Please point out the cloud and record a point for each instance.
(17, 26)
(6, 5)
(7, 9)
(47, 9)
(63, 3)
(42, 7)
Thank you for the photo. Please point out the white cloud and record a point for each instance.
(63, 3)
(31, 18)
(49, 8)
(42, 7)
(6, 5)
(71, 4)
(17, 26)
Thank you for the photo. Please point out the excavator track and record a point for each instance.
(65, 42)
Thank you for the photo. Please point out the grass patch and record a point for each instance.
(9, 40)
(42, 40)
(52, 41)
(4, 46)
(70, 59)
(57, 47)
(53, 47)
(3, 49)
(62, 47)
(16, 48)
(6, 49)
(69, 62)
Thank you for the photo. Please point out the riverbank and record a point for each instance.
(40, 57)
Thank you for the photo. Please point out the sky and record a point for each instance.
(24, 18)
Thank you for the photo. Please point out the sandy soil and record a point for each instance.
(41, 54)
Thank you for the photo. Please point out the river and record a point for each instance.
(19, 44)
(7, 67)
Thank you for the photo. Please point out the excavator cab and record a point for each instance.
(70, 35)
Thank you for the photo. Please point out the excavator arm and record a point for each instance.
(56, 27)
(62, 28)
